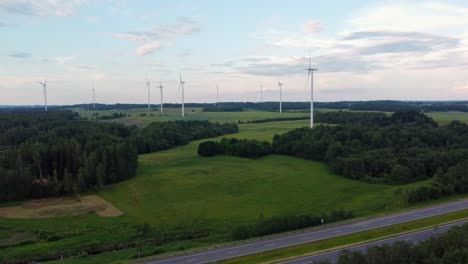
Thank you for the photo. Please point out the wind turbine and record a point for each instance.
(311, 76)
(161, 94)
(44, 87)
(217, 94)
(94, 97)
(280, 84)
(148, 88)
(181, 85)
(261, 92)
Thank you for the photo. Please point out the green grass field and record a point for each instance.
(171, 114)
(177, 188)
(182, 185)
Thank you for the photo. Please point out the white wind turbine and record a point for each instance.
(44, 88)
(280, 84)
(148, 88)
(217, 94)
(311, 76)
(161, 94)
(94, 97)
(261, 92)
(181, 85)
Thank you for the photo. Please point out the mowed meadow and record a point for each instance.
(178, 190)
(178, 185)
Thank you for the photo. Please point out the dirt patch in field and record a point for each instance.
(49, 207)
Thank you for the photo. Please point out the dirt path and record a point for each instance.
(50, 207)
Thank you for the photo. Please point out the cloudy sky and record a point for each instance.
(364, 50)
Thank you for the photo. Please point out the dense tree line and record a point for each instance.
(54, 153)
(276, 119)
(109, 116)
(246, 148)
(408, 147)
(164, 135)
(382, 105)
(447, 248)
(216, 108)
(277, 224)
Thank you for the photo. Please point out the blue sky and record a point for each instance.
(364, 50)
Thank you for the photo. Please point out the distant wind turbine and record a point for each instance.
(280, 84)
(311, 76)
(94, 97)
(161, 94)
(148, 88)
(44, 87)
(261, 92)
(217, 94)
(181, 85)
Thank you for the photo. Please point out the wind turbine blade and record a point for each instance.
(307, 81)
(180, 77)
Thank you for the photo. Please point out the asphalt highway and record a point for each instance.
(412, 237)
(215, 254)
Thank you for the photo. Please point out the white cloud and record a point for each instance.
(410, 16)
(132, 36)
(40, 7)
(148, 48)
(64, 59)
(313, 26)
(154, 37)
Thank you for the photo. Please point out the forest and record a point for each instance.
(55, 153)
(447, 248)
(381, 105)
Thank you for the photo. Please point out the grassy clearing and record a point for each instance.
(171, 114)
(344, 241)
(444, 118)
(178, 185)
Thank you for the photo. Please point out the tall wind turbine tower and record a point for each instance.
(44, 88)
(280, 84)
(217, 94)
(94, 98)
(148, 88)
(161, 94)
(311, 76)
(261, 92)
(181, 85)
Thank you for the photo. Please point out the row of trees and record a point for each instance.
(277, 224)
(246, 148)
(44, 154)
(382, 105)
(216, 108)
(447, 248)
(164, 135)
